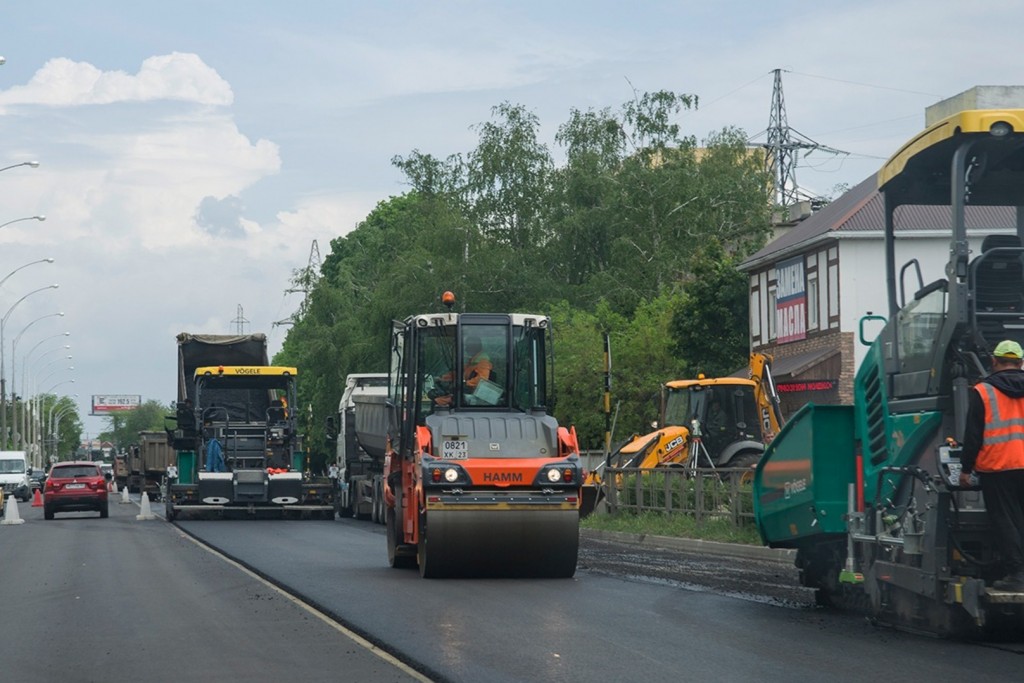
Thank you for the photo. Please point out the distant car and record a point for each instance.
(37, 479)
(74, 486)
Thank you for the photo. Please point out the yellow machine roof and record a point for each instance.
(968, 121)
(247, 371)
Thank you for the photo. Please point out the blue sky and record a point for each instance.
(191, 152)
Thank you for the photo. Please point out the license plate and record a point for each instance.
(75, 486)
(454, 449)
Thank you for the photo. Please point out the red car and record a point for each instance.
(73, 486)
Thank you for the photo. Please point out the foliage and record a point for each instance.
(636, 236)
(706, 333)
(124, 427)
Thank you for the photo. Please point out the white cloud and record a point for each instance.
(62, 82)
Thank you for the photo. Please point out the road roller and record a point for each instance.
(480, 480)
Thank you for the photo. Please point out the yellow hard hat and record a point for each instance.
(1008, 349)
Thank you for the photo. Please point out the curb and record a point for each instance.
(750, 552)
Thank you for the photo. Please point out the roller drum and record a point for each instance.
(499, 543)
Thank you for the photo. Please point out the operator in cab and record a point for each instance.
(994, 448)
(478, 367)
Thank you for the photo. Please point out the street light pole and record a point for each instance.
(14, 373)
(36, 425)
(3, 378)
(33, 164)
(55, 422)
(39, 218)
(31, 263)
(49, 420)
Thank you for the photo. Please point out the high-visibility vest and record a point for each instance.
(1002, 445)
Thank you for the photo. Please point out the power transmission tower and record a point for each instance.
(240, 321)
(303, 280)
(784, 143)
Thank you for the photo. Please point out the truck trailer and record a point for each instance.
(360, 481)
(235, 433)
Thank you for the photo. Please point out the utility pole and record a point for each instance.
(784, 143)
(240, 321)
(303, 280)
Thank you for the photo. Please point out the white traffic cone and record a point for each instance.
(146, 512)
(11, 514)
(124, 495)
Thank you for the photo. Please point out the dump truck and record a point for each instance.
(360, 480)
(480, 480)
(869, 493)
(235, 433)
(704, 422)
(147, 462)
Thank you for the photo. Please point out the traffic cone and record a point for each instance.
(124, 495)
(11, 514)
(37, 500)
(146, 512)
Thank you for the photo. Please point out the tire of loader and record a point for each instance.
(747, 460)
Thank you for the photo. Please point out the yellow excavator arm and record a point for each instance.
(766, 396)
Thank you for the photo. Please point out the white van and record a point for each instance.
(14, 475)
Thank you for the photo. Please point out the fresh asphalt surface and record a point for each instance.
(117, 599)
(88, 599)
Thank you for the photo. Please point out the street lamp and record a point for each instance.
(3, 379)
(55, 417)
(31, 263)
(14, 374)
(39, 218)
(49, 419)
(28, 421)
(33, 164)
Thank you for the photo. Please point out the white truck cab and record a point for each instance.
(14, 475)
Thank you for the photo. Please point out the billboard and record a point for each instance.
(104, 404)
(790, 301)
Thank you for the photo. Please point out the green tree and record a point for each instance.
(614, 240)
(124, 427)
(706, 332)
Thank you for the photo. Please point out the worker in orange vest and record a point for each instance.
(994, 448)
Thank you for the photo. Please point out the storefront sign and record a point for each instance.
(790, 301)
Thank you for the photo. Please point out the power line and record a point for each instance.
(865, 85)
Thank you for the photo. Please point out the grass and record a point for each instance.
(676, 525)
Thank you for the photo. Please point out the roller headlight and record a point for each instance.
(450, 475)
(554, 476)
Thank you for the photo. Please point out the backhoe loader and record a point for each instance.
(703, 422)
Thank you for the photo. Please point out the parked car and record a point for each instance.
(74, 486)
(37, 479)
